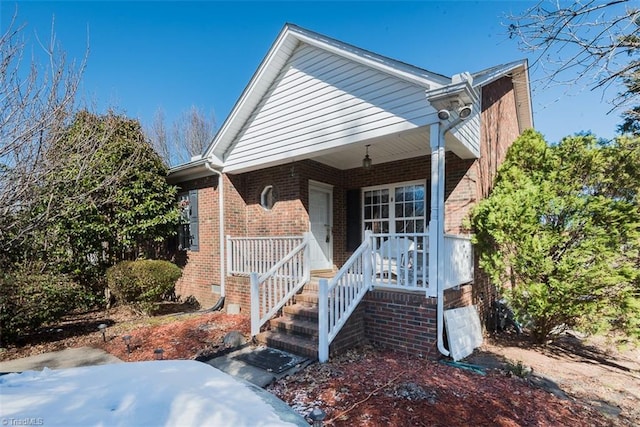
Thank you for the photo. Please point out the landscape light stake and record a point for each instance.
(317, 416)
(158, 353)
(127, 341)
(102, 328)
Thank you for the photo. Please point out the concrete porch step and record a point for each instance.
(296, 344)
(312, 286)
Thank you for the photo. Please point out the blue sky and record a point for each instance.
(145, 55)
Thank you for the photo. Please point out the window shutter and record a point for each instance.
(354, 226)
(194, 235)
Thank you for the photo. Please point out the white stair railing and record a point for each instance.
(339, 297)
(274, 288)
(401, 261)
(257, 254)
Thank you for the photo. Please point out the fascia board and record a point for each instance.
(455, 90)
(193, 170)
(399, 69)
(484, 77)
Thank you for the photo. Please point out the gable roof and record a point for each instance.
(519, 73)
(283, 58)
(281, 51)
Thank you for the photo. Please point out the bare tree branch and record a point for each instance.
(192, 132)
(190, 135)
(36, 115)
(583, 43)
(157, 134)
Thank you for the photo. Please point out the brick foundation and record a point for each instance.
(352, 334)
(401, 320)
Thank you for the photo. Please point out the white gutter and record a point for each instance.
(436, 224)
(221, 226)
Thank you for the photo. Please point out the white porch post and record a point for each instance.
(436, 226)
(435, 208)
(306, 258)
(255, 304)
(323, 321)
(368, 261)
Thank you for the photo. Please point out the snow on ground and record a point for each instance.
(156, 393)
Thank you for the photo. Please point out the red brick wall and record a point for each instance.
(238, 291)
(469, 181)
(201, 269)
(401, 320)
(499, 129)
(352, 334)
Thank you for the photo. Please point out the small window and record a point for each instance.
(268, 198)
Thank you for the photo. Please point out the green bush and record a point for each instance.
(29, 300)
(142, 283)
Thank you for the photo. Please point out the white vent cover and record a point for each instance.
(464, 332)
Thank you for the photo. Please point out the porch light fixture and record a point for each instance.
(158, 353)
(366, 162)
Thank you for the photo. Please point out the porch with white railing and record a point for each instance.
(278, 268)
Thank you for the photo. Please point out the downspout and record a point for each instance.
(221, 227)
(438, 207)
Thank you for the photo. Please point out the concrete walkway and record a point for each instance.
(68, 358)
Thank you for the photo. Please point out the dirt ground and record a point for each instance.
(573, 382)
(592, 370)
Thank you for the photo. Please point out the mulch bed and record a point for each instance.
(182, 339)
(364, 387)
(378, 387)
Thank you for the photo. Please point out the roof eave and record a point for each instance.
(198, 168)
(521, 88)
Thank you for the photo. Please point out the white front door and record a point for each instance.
(321, 223)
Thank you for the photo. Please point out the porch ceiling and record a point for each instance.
(385, 149)
(393, 147)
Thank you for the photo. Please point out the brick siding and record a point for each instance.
(401, 320)
(201, 268)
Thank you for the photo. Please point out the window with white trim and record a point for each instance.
(395, 208)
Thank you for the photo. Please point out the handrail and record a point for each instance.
(257, 254)
(273, 289)
(339, 297)
(401, 261)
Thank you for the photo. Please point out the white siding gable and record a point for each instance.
(320, 101)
